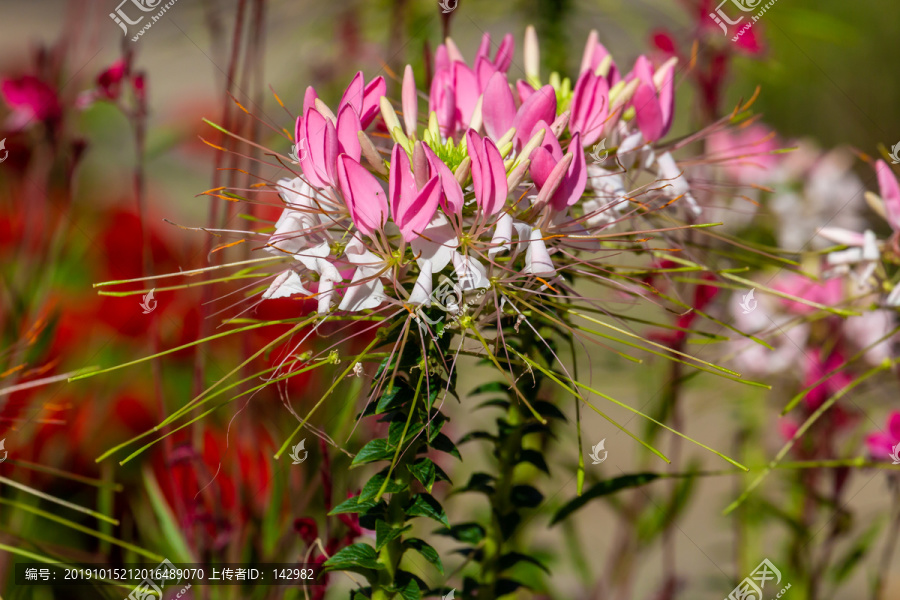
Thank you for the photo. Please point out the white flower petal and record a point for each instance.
(440, 245)
(502, 235)
(362, 296)
(537, 259)
(421, 294)
(470, 273)
(310, 257)
(677, 184)
(286, 284)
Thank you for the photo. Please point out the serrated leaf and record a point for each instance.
(408, 586)
(373, 451)
(535, 458)
(604, 488)
(424, 471)
(510, 559)
(468, 533)
(351, 505)
(356, 557)
(389, 401)
(526, 496)
(385, 533)
(479, 482)
(396, 430)
(424, 505)
(370, 490)
(426, 550)
(442, 442)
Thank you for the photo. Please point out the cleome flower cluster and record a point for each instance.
(497, 188)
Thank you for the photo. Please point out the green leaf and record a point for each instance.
(548, 410)
(424, 505)
(385, 533)
(172, 532)
(844, 567)
(425, 549)
(389, 401)
(604, 488)
(505, 586)
(424, 471)
(351, 505)
(373, 451)
(534, 457)
(479, 482)
(442, 442)
(468, 533)
(477, 435)
(526, 496)
(370, 490)
(408, 586)
(356, 557)
(510, 559)
(396, 430)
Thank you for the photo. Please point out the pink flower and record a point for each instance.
(654, 99)
(562, 178)
(829, 292)
(323, 140)
(488, 173)
(746, 154)
(890, 193)
(363, 194)
(590, 107)
(364, 98)
(816, 368)
(30, 98)
(883, 445)
(412, 207)
(594, 53)
(540, 106)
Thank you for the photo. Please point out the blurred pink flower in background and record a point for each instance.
(746, 154)
(881, 444)
(30, 99)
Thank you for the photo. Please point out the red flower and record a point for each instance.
(30, 98)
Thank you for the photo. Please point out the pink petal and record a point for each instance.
(497, 173)
(590, 103)
(465, 91)
(452, 195)
(648, 113)
(410, 101)
(322, 146)
(414, 218)
(401, 184)
(364, 195)
(309, 99)
(643, 70)
(890, 193)
(540, 106)
(894, 426)
(488, 173)
(442, 102)
(524, 89)
(348, 128)
(542, 163)
(353, 95)
(667, 98)
(498, 108)
(371, 104)
(575, 180)
(484, 48)
(505, 53)
(880, 445)
(441, 59)
(484, 70)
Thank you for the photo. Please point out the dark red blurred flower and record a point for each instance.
(307, 529)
